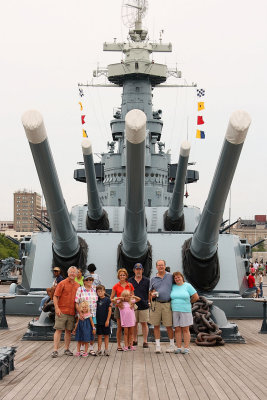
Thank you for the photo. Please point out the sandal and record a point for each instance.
(125, 348)
(68, 353)
(119, 349)
(78, 354)
(85, 355)
(92, 353)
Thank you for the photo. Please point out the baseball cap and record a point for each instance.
(138, 266)
(56, 269)
(87, 275)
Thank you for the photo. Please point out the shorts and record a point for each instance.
(160, 312)
(182, 319)
(102, 330)
(117, 313)
(142, 315)
(65, 321)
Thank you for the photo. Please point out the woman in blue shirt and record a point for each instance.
(182, 295)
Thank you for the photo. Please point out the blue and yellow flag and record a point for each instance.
(200, 134)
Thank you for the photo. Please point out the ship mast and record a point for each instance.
(137, 73)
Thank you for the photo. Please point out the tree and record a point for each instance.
(8, 248)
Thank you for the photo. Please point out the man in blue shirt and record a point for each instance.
(160, 292)
(141, 289)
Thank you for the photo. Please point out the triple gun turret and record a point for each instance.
(200, 257)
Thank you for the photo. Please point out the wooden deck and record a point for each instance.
(234, 371)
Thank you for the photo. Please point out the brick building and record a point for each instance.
(251, 229)
(26, 205)
(6, 225)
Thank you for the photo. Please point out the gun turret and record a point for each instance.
(42, 224)
(65, 240)
(228, 226)
(97, 218)
(257, 243)
(15, 241)
(200, 260)
(174, 216)
(134, 245)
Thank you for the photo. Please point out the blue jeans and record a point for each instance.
(261, 291)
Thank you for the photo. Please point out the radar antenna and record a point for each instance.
(133, 11)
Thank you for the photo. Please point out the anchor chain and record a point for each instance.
(208, 333)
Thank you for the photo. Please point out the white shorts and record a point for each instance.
(182, 319)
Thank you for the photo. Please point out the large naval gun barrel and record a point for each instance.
(134, 238)
(65, 240)
(96, 217)
(174, 216)
(200, 260)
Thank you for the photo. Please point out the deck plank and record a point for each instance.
(125, 378)
(139, 376)
(114, 376)
(150, 375)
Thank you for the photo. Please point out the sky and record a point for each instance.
(47, 47)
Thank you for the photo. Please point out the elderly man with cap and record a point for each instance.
(141, 289)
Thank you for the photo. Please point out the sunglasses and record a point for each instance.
(88, 279)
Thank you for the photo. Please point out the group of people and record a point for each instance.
(83, 308)
(256, 271)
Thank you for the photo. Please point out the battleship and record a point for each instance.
(135, 208)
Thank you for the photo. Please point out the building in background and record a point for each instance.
(44, 214)
(253, 230)
(26, 205)
(6, 225)
(17, 235)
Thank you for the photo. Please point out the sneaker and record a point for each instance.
(85, 354)
(185, 351)
(68, 353)
(54, 354)
(170, 349)
(132, 348)
(106, 353)
(78, 354)
(145, 345)
(158, 349)
(178, 350)
(99, 353)
(125, 348)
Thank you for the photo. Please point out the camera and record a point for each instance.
(155, 294)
